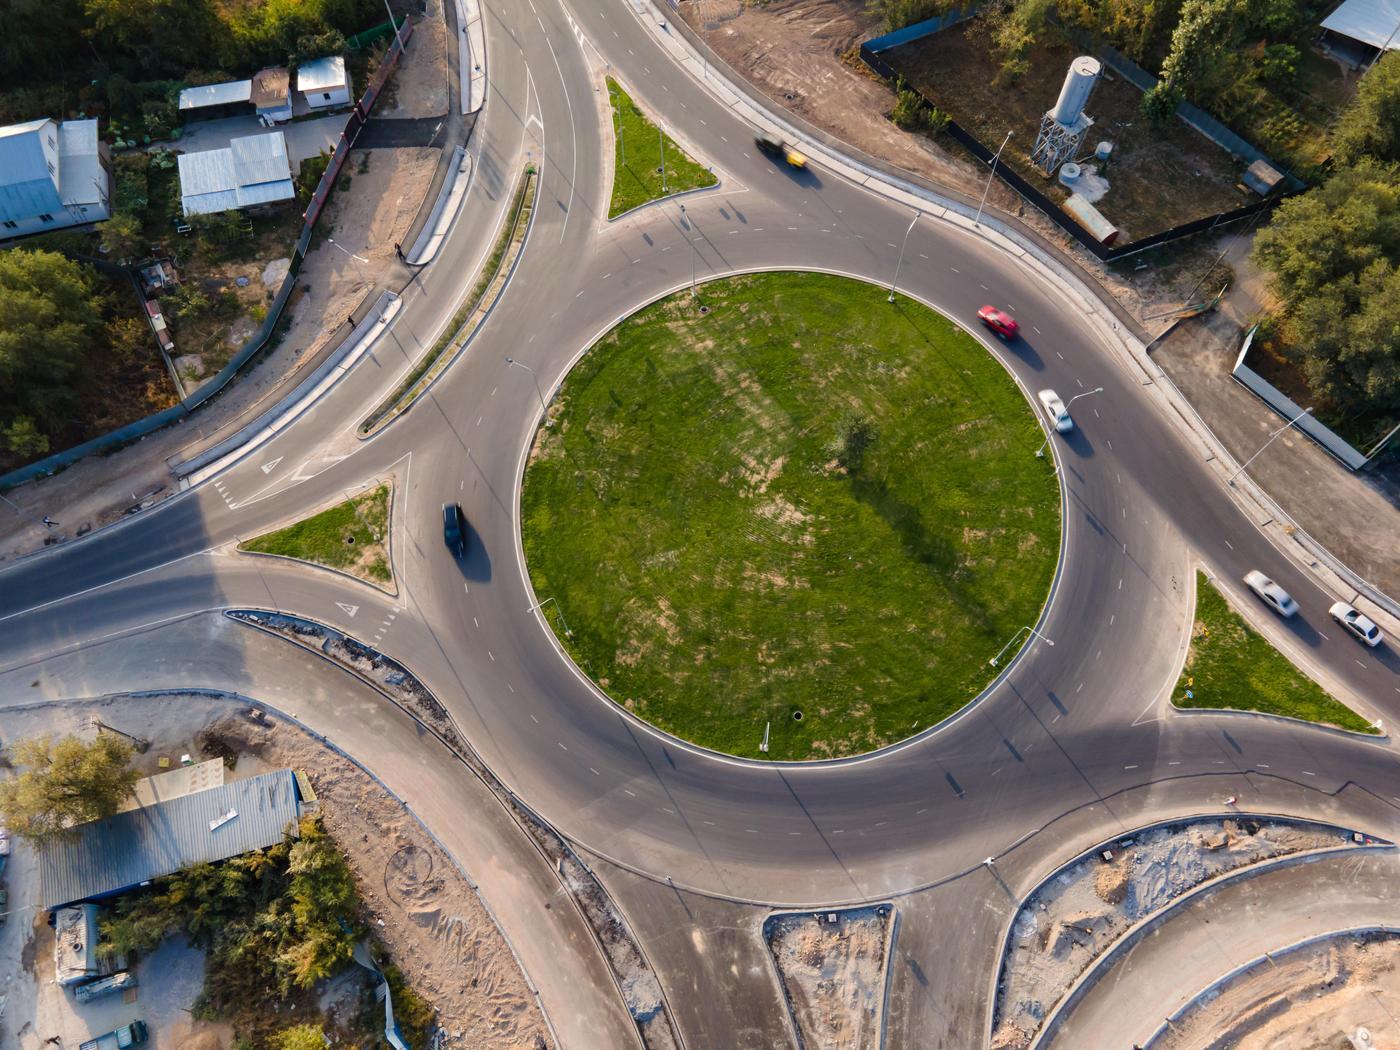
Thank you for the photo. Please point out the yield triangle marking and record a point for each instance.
(271, 465)
(349, 610)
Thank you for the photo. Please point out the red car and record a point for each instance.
(1000, 322)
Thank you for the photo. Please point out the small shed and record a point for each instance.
(1262, 177)
(1359, 29)
(233, 98)
(75, 944)
(272, 95)
(158, 325)
(324, 82)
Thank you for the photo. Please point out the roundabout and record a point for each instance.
(803, 514)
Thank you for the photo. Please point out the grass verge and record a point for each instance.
(638, 148)
(352, 536)
(1230, 665)
(474, 306)
(806, 507)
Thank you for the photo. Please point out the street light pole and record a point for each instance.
(902, 246)
(1266, 444)
(544, 409)
(978, 221)
(1040, 452)
(358, 258)
(661, 141)
(394, 22)
(621, 138)
(1009, 644)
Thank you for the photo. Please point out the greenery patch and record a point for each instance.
(637, 159)
(352, 536)
(807, 507)
(1230, 665)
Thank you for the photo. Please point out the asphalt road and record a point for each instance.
(1066, 726)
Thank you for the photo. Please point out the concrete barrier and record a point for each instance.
(449, 201)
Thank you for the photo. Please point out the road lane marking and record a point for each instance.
(348, 610)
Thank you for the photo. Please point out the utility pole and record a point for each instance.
(978, 221)
(661, 141)
(395, 23)
(544, 409)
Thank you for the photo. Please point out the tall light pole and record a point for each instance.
(1040, 452)
(978, 221)
(358, 258)
(1008, 645)
(394, 22)
(621, 138)
(902, 246)
(694, 248)
(661, 141)
(544, 409)
(1266, 444)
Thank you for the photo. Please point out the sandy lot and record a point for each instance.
(417, 901)
(1067, 924)
(833, 974)
(1321, 996)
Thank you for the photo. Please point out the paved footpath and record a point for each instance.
(521, 889)
(1235, 925)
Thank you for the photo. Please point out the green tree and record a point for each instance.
(1370, 125)
(65, 783)
(301, 1037)
(123, 236)
(50, 322)
(1333, 259)
(23, 439)
(1205, 39)
(896, 14)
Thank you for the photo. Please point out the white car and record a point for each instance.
(1274, 596)
(1055, 411)
(1357, 623)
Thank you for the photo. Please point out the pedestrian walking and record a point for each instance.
(398, 250)
(350, 320)
(49, 522)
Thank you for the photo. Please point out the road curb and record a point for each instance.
(1226, 978)
(1105, 960)
(993, 348)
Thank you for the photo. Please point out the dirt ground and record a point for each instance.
(1067, 924)
(419, 905)
(1321, 996)
(1157, 177)
(799, 54)
(420, 84)
(833, 974)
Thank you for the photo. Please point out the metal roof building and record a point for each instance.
(1372, 22)
(229, 93)
(52, 175)
(112, 856)
(324, 82)
(250, 170)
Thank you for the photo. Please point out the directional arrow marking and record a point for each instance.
(349, 610)
(271, 465)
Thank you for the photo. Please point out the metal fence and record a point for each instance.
(115, 439)
(1051, 208)
(920, 29)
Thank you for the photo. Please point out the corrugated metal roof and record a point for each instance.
(1370, 21)
(216, 94)
(125, 850)
(321, 74)
(81, 177)
(182, 780)
(260, 158)
(27, 186)
(252, 170)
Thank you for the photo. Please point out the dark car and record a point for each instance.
(454, 529)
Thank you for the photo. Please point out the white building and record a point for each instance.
(324, 82)
(1375, 24)
(52, 176)
(211, 101)
(250, 170)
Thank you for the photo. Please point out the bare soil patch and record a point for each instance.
(1319, 996)
(831, 966)
(1069, 921)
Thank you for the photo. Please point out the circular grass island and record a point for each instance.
(803, 507)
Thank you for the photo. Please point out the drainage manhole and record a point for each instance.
(797, 716)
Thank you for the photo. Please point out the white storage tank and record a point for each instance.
(1079, 81)
(1069, 173)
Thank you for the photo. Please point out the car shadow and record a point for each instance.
(1082, 446)
(1026, 352)
(802, 176)
(477, 563)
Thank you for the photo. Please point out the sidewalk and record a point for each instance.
(1233, 926)
(1354, 515)
(554, 945)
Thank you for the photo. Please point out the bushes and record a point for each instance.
(896, 14)
(912, 113)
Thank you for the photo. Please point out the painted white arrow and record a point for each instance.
(271, 465)
(349, 610)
